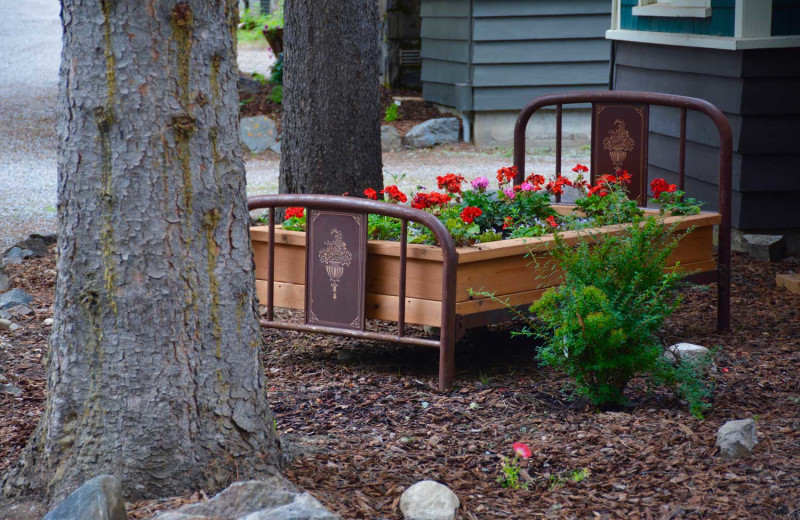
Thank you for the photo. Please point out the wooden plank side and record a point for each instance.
(444, 8)
(514, 98)
(438, 71)
(445, 28)
(445, 50)
(538, 74)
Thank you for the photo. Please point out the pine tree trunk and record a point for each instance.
(154, 372)
(331, 106)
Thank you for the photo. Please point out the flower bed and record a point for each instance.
(516, 269)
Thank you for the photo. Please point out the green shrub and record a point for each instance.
(276, 95)
(392, 112)
(601, 324)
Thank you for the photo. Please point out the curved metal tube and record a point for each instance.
(652, 98)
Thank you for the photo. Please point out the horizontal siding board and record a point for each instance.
(444, 8)
(770, 134)
(680, 59)
(514, 98)
(542, 74)
(441, 93)
(541, 51)
(445, 28)
(772, 96)
(774, 173)
(725, 93)
(702, 162)
(492, 8)
(541, 27)
(445, 72)
(779, 63)
(769, 210)
(695, 188)
(699, 127)
(445, 50)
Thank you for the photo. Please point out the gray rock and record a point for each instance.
(15, 255)
(390, 138)
(48, 321)
(429, 500)
(259, 133)
(98, 499)
(249, 85)
(14, 327)
(5, 324)
(5, 283)
(765, 247)
(688, 352)
(9, 389)
(276, 147)
(433, 132)
(37, 244)
(19, 310)
(736, 439)
(273, 499)
(13, 298)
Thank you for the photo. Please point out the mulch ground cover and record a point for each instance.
(369, 423)
(412, 111)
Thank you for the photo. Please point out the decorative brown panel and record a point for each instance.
(619, 142)
(336, 269)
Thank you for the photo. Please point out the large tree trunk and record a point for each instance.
(154, 372)
(331, 106)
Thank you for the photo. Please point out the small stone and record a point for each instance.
(48, 321)
(736, 439)
(19, 310)
(276, 147)
(5, 324)
(97, 499)
(249, 85)
(433, 132)
(14, 297)
(258, 133)
(765, 247)
(429, 500)
(390, 138)
(14, 327)
(5, 283)
(790, 282)
(9, 389)
(15, 255)
(688, 352)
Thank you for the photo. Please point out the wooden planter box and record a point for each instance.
(507, 268)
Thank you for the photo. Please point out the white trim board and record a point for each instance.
(699, 40)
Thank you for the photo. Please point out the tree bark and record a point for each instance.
(154, 373)
(331, 105)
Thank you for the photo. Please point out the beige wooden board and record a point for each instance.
(790, 282)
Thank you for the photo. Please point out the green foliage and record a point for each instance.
(276, 95)
(687, 378)
(392, 113)
(600, 326)
(609, 205)
(676, 203)
(251, 25)
(259, 78)
(380, 227)
(276, 76)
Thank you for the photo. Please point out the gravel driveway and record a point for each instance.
(29, 60)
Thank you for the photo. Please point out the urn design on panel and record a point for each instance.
(618, 143)
(336, 257)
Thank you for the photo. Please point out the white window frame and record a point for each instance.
(674, 8)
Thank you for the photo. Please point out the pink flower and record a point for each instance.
(480, 184)
(509, 193)
(527, 186)
(522, 449)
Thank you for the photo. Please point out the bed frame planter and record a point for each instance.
(432, 285)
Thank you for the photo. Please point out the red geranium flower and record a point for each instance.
(580, 168)
(450, 182)
(394, 193)
(536, 180)
(438, 199)
(623, 176)
(506, 174)
(470, 213)
(599, 190)
(371, 194)
(294, 212)
(552, 221)
(556, 186)
(507, 221)
(659, 186)
(522, 449)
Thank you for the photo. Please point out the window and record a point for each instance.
(674, 8)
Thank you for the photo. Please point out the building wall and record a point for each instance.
(720, 23)
(757, 90)
(512, 51)
(785, 17)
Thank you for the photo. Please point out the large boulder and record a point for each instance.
(433, 132)
(272, 499)
(390, 138)
(697, 354)
(736, 439)
(98, 499)
(429, 500)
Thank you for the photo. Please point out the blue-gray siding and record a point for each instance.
(512, 51)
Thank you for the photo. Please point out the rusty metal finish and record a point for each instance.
(619, 142)
(336, 269)
(271, 265)
(401, 290)
(446, 343)
(682, 153)
(559, 113)
(684, 103)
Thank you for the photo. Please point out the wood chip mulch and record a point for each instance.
(370, 424)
